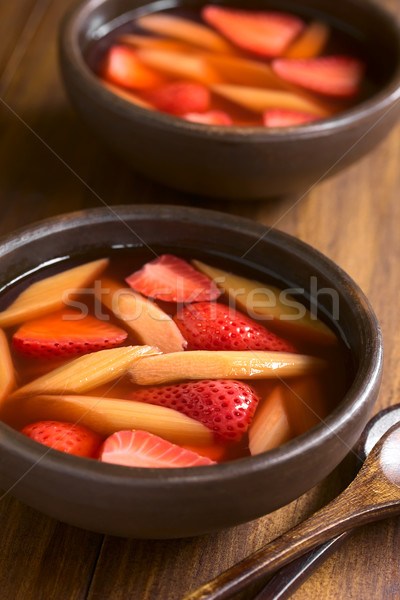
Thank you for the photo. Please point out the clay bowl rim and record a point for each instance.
(368, 372)
(382, 100)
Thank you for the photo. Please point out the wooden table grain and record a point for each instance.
(49, 164)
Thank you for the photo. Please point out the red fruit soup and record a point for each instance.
(222, 65)
(164, 361)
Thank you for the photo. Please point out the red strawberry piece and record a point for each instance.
(143, 449)
(225, 406)
(262, 32)
(66, 333)
(214, 326)
(123, 67)
(180, 97)
(172, 279)
(337, 76)
(65, 437)
(212, 117)
(277, 117)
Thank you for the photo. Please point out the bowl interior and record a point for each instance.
(370, 32)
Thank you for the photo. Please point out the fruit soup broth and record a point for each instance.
(313, 395)
(145, 41)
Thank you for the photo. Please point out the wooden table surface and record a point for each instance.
(50, 164)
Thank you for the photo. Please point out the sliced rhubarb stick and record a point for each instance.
(86, 372)
(126, 94)
(245, 72)
(156, 43)
(259, 100)
(7, 375)
(206, 364)
(311, 42)
(52, 293)
(106, 415)
(185, 30)
(270, 303)
(178, 64)
(141, 316)
(305, 403)
(270, 426)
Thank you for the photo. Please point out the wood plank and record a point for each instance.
(41, 557)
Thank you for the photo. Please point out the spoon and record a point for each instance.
(374, 494)
(288, 579)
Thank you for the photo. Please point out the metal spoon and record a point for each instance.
(374, 494)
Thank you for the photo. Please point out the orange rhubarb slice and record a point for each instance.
(267, 302)
(51, 293)
(208, 364)
(141, 316)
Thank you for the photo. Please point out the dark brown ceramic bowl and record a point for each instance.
(166, 503)
(236, 162)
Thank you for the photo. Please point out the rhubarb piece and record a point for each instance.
(276, 117)
(179, 65)
(156, 43)
(305, 403)
(245, 72)
(311, 41)
(270, 427)
(180, 97)
(211, 117)
(172, 279)
(107, 415)
(65, 437)
(141, 316)
(214, 326)
(66, 333)
(259, 100)
(52, 293)
(86, 372)
(126, 94)
(261, 32)
(7, 375)
(204, 364)
(268, 303)
(143, 449)
(184, 30)
(336, 76)
(224, 406)
(123, 67)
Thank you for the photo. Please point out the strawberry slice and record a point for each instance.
(181, 97)
(211, 117)
(214, 326)
(65, 437)
(336, 76)
(264, 33)
(225, 406)
(122, 67)
(143, 449)
(277, 117)
(172, 279)
(66, 333)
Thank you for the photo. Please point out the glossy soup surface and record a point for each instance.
(304, 399)
(234, 77)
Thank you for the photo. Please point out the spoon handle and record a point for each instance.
(369, 497)
(288, 579)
